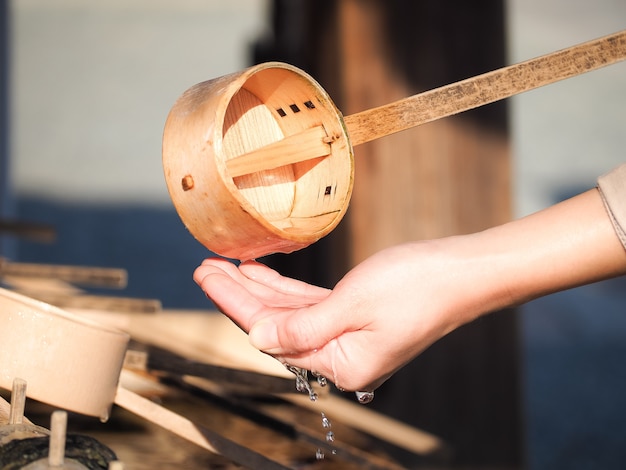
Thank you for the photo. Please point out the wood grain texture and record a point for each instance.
(444, 178)
(296, 148)
(484, 89)
(66, 361)
(238, 207)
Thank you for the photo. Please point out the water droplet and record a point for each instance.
(364, 397)
(326, 422)
(302, 381)
(303, 385)
(300, 387)
(104, 417)
(321, 380)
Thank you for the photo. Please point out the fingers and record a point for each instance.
(283, 316)
(337, 361)
(253, 291)
(229, 296)
(269, 277)
(295, 331)
(215, 265)
(264, 283)
(298, 323)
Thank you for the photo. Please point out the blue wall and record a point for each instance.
(151, 243)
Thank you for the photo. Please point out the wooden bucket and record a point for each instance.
(66, 361)
(281, 209)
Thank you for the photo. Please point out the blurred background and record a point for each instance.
(87, 88)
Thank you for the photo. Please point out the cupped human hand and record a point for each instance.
(398, 302)
(377, 318)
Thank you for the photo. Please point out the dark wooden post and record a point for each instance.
(444, 178)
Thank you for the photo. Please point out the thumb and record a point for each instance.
(294, 332)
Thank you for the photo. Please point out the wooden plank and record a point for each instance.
(201, 335)
(363, 458)
(193, 432)
(376, 424)
(213, 338)
(83, 275)
(64, 295)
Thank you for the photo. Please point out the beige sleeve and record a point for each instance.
(612, 188)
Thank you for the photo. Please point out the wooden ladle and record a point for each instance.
(261, 161)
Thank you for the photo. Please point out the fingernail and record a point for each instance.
(264, 336)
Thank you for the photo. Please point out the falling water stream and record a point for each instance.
(303, 385)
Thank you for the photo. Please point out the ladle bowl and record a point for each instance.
(250, 212)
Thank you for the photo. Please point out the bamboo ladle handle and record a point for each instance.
(439, 103)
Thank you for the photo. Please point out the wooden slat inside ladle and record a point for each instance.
(438, 103)
(306, 145)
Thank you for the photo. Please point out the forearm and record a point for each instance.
(567, 245)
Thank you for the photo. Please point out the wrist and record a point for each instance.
(467, 277)
(486, 274)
